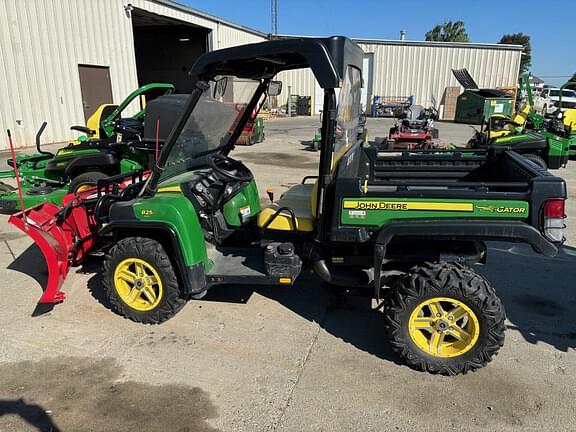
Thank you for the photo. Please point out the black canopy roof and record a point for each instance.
(327, 57)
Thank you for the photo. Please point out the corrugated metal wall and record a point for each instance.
(301, 82)
(42, 42)
(223, 35)
(41, 45)
(424, 71)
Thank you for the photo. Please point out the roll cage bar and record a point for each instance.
(328, 58)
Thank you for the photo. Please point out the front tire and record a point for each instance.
(444, 318)
(140, 282)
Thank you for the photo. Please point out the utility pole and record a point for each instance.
(274, 17)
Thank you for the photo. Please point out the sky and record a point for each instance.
(550, 24)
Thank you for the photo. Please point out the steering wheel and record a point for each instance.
(229, 168)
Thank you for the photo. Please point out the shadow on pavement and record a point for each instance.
(31, 262)
(348, 317)
(33, 414)
(539, 293)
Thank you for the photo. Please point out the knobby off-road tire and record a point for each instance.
(536, 159)
(450, 285)
(141, 264)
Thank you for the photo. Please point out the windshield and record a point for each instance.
(211, 123)
(415, 112)
(348, 113)
(565, 93)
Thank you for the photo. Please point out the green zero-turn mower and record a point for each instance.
(112, 145)
(565, 118)
(405, 228)
(545, 143)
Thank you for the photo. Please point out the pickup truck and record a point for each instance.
(546, 102)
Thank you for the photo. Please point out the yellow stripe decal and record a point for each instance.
(170, 189)
(404, 205)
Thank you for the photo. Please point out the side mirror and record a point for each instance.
(274, 88)
(220, 87)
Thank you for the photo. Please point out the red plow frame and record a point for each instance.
(63, 235)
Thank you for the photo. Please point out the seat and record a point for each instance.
(301, 200)
(570, 119)
(519, 122)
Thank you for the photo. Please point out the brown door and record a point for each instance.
(95, 87)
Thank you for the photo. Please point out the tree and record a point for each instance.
(524, 40)
(573, 79)
(448, 32)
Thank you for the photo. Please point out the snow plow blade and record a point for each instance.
(63, 236)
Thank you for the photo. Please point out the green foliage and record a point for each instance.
(448, 32)
(524, 40)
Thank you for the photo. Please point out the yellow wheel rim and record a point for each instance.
(138, 284)
(83, 188)
(444, 327)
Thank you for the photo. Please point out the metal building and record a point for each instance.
(60, 59)
(421, 69)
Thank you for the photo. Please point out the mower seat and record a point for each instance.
(301, 199)
(570, 119)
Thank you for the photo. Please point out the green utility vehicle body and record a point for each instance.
(163, 203)
(405, 226)
(45, 177)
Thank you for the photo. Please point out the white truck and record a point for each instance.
(547, 102)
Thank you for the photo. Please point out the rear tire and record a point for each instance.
(86, 180)
(444, 318)
(140, 281)
(537, 160)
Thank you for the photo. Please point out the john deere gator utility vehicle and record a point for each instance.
(406, 227)
(114, 145)
(527, 133)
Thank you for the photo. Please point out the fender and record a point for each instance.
(173, 214)
(514, 231)
(193, 276)
(105, 162)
